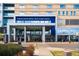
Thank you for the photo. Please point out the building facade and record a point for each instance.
(39, 22)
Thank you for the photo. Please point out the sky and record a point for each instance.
(39, 1)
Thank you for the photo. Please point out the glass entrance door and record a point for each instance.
(35, 36)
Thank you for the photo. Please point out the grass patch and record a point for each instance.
(57, 53)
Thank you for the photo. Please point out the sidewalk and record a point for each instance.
(45, 51)
(42, 52)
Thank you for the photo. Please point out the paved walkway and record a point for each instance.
(42, 52)
(45, 50)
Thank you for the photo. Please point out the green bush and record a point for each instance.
(75, 53)
(9, 49)
(57, 53)
(29, 51)
(1, 37)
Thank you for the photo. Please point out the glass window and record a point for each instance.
(49, 12)
(8, 5)
(71, 13)
(35, 6)
(76, 6)
(5, 22)
(10, 20)
(72, 22)
(63, 13)
(0, 4)
(58, 13)
(35, 13)
(22, 12)
(0, 21)
(22, 5)
(67, 22)
(62, 5)
(8, 11)
(60, 22)
(66, 13)
(74, 13)
(49, 6)
(8, 14)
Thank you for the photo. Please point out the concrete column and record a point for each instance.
(4, 35)
(69, 37)
(24, 34)
(8, 32)
(43, 34)
(28, 38)
(14, 32)
(56, 38)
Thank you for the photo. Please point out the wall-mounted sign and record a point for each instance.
(67, 31)
(35, 18)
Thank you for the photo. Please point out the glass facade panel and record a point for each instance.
(72, 22)
(58, 13)
(66, 13)
(74, 13)
(67, 22)
(67, 31)
(76, 6)
(49, 12)
(35, 13)
(63, 38)
(35, 6)
(71, 13)
(8, 5)
(22, 4)
(5, 22)
(63, 13)
(62, 6)
(49, 6)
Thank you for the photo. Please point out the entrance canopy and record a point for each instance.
(67, 31)
(44, 24)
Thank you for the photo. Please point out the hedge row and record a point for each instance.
(9, 49)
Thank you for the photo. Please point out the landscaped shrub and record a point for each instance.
(75, 53)
(9, 49)
(30, 50)
(57, 53)
(1, 37)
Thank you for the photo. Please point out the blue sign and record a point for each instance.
(67, 31)
(36, 18)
